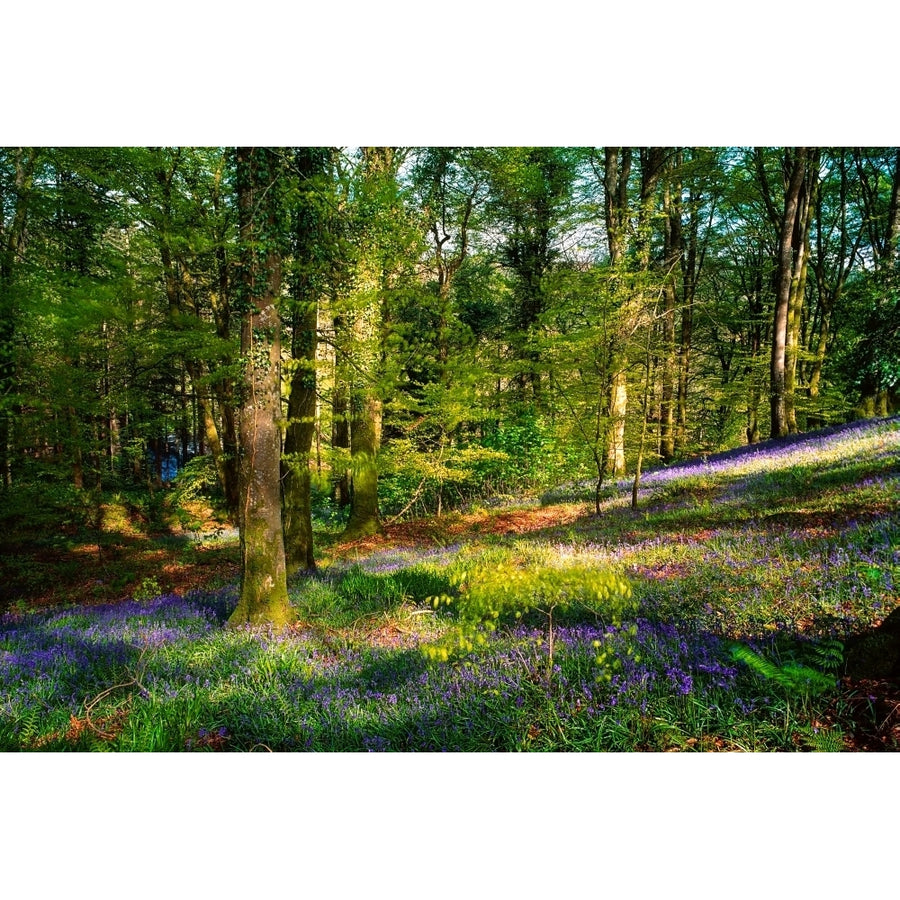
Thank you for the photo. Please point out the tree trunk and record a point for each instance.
(673, 252)
(798, 289)
(693, 253)
(755, 364)
(616, 172)
(892, 242)
(365, 402)
(301, 424)
(340, 424)
(684, 364)
(263, 597)
(618, 408)
(779, 426)
(365, 438)
(652, 160)
(298, 536)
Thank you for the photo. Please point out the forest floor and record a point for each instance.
(125, 551)
(796, 539)
(121, 555)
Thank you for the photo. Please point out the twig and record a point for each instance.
(415, 497)
(134, 681)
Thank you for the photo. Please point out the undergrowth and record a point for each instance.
(704, 621)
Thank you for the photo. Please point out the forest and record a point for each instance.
(467, 448)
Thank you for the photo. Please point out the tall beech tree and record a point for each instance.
(178, 195)
(616, 172)
(263, 596)
(874, 338)
(310, 263)
(378, 227)
(627, 228)
(790, 280)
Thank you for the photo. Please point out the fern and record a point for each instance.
(822, 740)
(827, 655)
(30, 724)
(794, 678)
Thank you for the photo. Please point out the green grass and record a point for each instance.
(757, 591)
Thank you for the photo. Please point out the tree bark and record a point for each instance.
(365, 402)
(673, 254)
(340, 418)
(298, 536)
(892, 242)
(301, 424)
(263, 597)
(616, 172)
(777, 378)
(798, 287)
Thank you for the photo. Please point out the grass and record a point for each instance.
(759, 619)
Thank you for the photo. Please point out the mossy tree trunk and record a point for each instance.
(263, 597)
(786, 254)
(367, 330)
(340, 420)
(305, 280)
(297, 511)
(617, 168)
(618, 213)
(798, 288)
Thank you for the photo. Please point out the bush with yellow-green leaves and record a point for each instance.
(493, 591)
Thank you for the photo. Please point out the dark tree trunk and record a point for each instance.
(340, 424)
(301, 424)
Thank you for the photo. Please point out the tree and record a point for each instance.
(530, 191)
(833, 257)
(618, 220)
(178, 195)
(380, 231)
(310, 264)
(790, 279)
(263, 596)
(873, 359)
(16, 175)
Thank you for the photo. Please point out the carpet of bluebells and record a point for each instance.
(782, 552)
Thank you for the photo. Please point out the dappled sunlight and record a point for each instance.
(718, 625)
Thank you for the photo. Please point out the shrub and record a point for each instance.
(495, 590)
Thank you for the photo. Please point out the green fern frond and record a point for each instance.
(753, 661)
(793, 677)
(827, 655)
(822, 740)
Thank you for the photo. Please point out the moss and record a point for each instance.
(264, 597)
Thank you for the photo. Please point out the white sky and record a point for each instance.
(399, 72)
